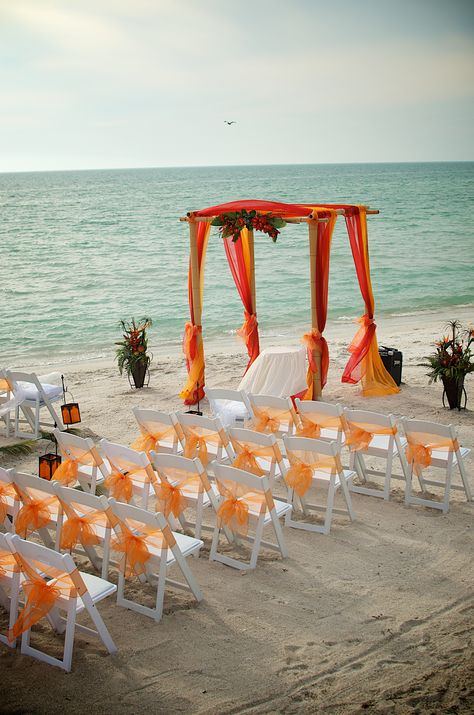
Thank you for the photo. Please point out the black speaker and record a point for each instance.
(392, 359)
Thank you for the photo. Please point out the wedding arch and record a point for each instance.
(238, 221)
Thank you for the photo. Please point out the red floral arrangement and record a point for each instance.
(232, 223)
(453, 358)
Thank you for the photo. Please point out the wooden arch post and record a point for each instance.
(313, 257)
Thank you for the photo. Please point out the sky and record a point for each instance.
(143, 83)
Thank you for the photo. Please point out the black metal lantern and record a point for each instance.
(70, 411)
(48, 463)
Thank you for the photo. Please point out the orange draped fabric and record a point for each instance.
(67, 472)
(365, 363)
(360, 434)
(247, 455)
(176, 486)
(81, 527)
(6, 490)
(120, 483)
(238, 256)
(420, 447)
(192, 342)
(300, 474)
(197, 440)
(313, 422)
(150, 439)
(314, 339)
(134, 546)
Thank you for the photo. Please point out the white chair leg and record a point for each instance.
(347, 497)
(388, 471)
(279, 534)
(329, 507)
(462, 471)
(408, 485)
(256, 543)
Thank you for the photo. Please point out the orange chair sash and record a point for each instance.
(81, 528)
(269, 419)
(300, 474)
(8, 563)
(120, 483)
(33, 515)
(134, 547)
(67, 472)
(360, 434)
(171, 499)
(247, 457)
(6, 490)
(420, 447)
(313, 422)
(149, 440)
(197, 440)
(233, 511)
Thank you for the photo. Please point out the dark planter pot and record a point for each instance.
(139, 374)
(455, 392)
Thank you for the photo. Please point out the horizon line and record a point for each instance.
(231, 166)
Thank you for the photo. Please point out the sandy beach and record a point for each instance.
(377, 617)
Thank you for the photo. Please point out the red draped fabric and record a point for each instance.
(237, 253)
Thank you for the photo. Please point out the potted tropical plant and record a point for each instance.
(452, 361)
(131, 354)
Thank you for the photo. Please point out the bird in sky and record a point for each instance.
(229, 123)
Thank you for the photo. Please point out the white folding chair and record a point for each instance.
(205, 438)
(40, 510)
(230, 406)
(273, 414)
(159, 431)
(84, 523)
(257, 452)
(81, 462)
(371, 434)
(67, 590)
(9, 501)
(9, 588)
(131, 475)
(35, 396)
(315, 462)
(246, 501)
(320, 420)
(434, 445)
(161, 549)
(182, 482)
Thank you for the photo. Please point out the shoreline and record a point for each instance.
(339, 333)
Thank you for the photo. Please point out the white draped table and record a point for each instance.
(280, 372)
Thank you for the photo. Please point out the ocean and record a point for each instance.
(79, 250)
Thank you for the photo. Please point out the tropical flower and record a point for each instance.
(231, 224)
(453, 358)
(132, 350)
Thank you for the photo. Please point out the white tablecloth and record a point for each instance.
(280, 372)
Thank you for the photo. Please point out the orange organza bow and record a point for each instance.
(66, 473)
(6, 490)
(33, 515)
(309, 428)
(265, 421)
(120, 483)
(7, 563)
(299, 476)
(81, 529)
(170, 499)
(419, 451)
(312, 341)
(40, 598)
(150, 440)
(196, 446)
(361, 434)
(190, 333)
(134, 549)
(246, 458)
(248, 327)
(234, 509)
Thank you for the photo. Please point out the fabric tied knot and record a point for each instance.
(120, 485)
(365, 321)
(265, 422)
(420, 456)
(34, 515)
(146, 442)
(196, 445)
(309, 429)
(67, 472)
(135, 552)
(189, 340)
(313, 340)
(299, 477)
(170, 499)
(359, 439)
(234, 513)
(247, 461)
(80, 529)
(40, 598)
(249, 326)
